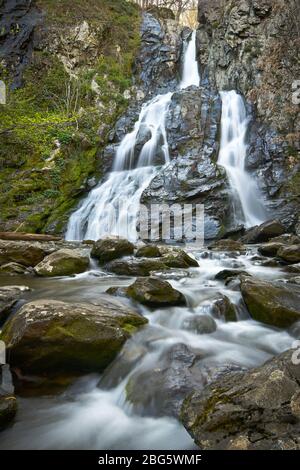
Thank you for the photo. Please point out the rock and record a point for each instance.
(287, 239)
(13, 269)
(200, 324)
(264, 232)
(252, 410)
(154, 292)
(161, 390)
(25, 253)
(9, 296)
(289, 254)
(234, 233)
(269, 249)
(228, 245)
(293, 268)
(110, 249)
(52, 337)
(31, 237)
(136, 267)
(224, 309)
(271, 303)
(294, 280)
(229, 273)
(177, 258)
(63, 262)
(148, 251)
(8, 402)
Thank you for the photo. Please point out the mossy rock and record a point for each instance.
(48, 337)
(155, 292)
(136, 267)
(25, 253)
(228, 245)
(109, 249)
(148, 251)
(289, 254)
(271, 303)
(8, 409)
(63, 263)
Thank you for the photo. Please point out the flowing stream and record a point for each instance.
(93, 413)
(248, 209)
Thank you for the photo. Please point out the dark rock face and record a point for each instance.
(51, 337)
(22, 17)
(264, 232)
(154, 292)
(240, 44)
(258, 409)
(271, 303)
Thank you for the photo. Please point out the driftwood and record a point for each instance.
(28, 237)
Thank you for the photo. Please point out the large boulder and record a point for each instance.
(253, 410)
(25, 253)
(109, 249)
(289, 254)
(9, 296)
(154, 292)
(269, 249)
(63, 262)
(272, 303)
(264, 232)
(52, 337)
(177, 258)
(148, 251)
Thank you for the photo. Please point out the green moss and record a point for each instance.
(40, 181)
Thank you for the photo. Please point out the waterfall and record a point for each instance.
(112, 207)
(248, 208)
(190, 75)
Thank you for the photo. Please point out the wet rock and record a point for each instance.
(228, 245)
(110, 249)
(9, 296)
(48, 337)
(287, 239)
(269, 249)
(293, 268)
(253, 410)
(223, 308)
(264, 232)
(271, 303)
(136, 267)
(63, 263)
(200, 324)
(294, 280)
(14, 269)
(229, 273)
(177, 258)
(148, 251)
(234, 233)
(8, 402)
(289, 254)
(154, 292)
(25, 253)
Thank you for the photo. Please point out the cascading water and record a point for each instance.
(112, 207)
(232, 157)
(190, 74)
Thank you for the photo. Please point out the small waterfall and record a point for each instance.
(233, 150)
(112, 207)
(190, 75)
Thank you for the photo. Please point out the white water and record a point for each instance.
(112, 207)
(232, 157)
(190, 74)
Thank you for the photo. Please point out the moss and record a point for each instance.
(49, 128)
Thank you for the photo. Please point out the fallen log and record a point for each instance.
(28, 237)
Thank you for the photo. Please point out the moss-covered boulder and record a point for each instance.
(63, 263)
(25, 253)
(109, 249)
(224, 309)
(136, 266)
(148, 251)
(49, 337)
(252, 410)
(289, 254)
(154, 292)
(14, 269)
(228, 245)
(269, 249)
(226, 274)
(177, 258)
(271, 303)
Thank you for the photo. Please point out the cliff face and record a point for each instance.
(253, 47)
(67, 66)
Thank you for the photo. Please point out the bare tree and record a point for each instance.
(178, 6)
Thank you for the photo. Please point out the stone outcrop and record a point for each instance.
(49, 337)
(254, 410)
